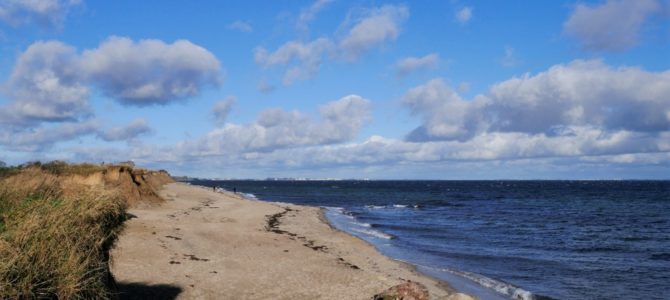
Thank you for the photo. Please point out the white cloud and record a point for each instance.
(241, 26)
(50, 83)
(445, 114)
(582, 93)
(408, 65)
(486, 147)
(43, 137)
(464, 15)
(45, 85)
(378, 26)
(584, 112)
(613, 25)
(499, 153)
(150, 71)
(308, 14)
(303, 60)
(43, 12)
(133, 130)
(275, 129)
(586, 94)
(222, 108)
(50, 80)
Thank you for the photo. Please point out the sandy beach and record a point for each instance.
(201, 244)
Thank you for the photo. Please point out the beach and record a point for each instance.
(218, 245)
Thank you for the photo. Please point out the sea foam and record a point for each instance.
(341, 218)
(499, 286)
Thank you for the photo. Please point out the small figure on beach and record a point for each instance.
(234, 190)
(214, 188)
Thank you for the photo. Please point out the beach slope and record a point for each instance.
(208, 245)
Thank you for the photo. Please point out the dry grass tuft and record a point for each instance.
(55, 245)
(58, 167)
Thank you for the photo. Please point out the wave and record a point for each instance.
(341, 217)
(349, 223)
(373, 233)
(392, 206)
(249, 196)
(498, 286)
(375, 206)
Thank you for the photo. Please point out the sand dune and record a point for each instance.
(206, 245)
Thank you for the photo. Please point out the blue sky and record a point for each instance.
(341, 89)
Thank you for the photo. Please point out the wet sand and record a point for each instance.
(201, 244)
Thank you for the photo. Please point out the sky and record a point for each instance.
(341, 89)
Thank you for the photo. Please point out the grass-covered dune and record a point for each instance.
(58, 222)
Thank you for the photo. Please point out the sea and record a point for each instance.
(503, 239)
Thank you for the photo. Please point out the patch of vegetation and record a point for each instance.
(6, 171)
(58, 167)
(53, 244)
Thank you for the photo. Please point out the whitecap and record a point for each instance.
(373, 233)
(496, 285)
(249, 196)
(375, 206)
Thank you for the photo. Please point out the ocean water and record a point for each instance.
(505, 239)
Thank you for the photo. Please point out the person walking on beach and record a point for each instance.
(234, 190)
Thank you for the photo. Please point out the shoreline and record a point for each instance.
(206, 244)
(411, 267)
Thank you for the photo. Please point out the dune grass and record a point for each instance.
(58, 167)
(52, 244)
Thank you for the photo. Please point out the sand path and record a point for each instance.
(206, 245)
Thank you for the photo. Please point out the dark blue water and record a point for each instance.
(561, 239)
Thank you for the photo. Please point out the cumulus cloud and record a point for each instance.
(275, 129)
(489, 152)
(150, 71)
(43, 137)
(222, 108)
(613, 25)
(45, 13)
(51, 82)
(580, 110)
(302, 59)
(241, 26)
(578, 115)
(408, 65)
(444, 113)
(585, 94)
(45, 85)
(308, 14)
(464, 15)
(378, 26)
(486, 147)
(136, 128)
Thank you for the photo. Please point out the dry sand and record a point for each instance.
(206, 245)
